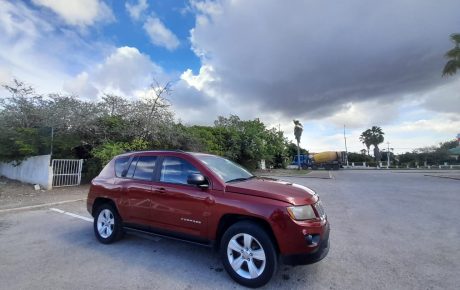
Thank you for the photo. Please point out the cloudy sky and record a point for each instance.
(326, 63)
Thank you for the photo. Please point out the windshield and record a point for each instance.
(226, 169)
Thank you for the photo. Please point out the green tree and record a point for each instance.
(358, 157)
(291, 150)
(247, 142)
(107, 151)
(448, 144)
(207, 139)
(275, 148)
(453, 56)
(99, 130)
(432, 155)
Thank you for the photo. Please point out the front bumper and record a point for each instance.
(309, 258)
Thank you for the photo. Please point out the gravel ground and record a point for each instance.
(15, 194)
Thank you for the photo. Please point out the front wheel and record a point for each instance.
(107, 224)
(248, 254)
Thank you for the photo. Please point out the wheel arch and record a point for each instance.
(100, 201)
(227, 220)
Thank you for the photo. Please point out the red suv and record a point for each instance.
(201, 198)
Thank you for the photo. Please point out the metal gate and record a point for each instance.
(67, 172)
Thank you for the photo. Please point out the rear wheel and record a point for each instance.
(107, 224)
(248, 254)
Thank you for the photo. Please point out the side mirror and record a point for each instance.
(198, 180)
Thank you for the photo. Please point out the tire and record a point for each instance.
(240, 245)
(107, 224)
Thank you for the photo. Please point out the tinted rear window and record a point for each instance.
(120, 164)
(144, 168)
(132, 167)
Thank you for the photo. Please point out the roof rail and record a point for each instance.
(157, 150)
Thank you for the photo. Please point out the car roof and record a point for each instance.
(164, 151)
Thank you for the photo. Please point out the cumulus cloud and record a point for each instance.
(445, 98)
(34, 47)
(136, 10)
(310, 58)
(366, 113)
(79, 12)
(159, 34)
(124, 71)
(81, 86)
(203, 80)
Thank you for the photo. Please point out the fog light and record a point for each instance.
(312, 240)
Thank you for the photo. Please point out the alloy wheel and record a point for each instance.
(105, 223)
(246, 256)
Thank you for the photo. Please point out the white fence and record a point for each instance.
(34, 170)
(37, 170)
(67, 172)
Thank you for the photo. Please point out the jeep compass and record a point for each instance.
(255, 223)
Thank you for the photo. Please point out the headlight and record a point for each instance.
(300, 213)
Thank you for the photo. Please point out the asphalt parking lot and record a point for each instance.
(389, 230)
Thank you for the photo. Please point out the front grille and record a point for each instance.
(320, 210)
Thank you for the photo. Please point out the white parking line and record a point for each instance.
(72, 214)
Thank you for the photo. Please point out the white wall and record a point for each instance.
(34, 170)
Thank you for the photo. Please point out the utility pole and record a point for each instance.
(346, 149)
(388, 155)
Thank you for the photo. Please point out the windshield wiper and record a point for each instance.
(241, 179)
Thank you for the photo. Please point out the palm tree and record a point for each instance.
(365, 138)
(372, 136)
(298, 129)
(453, 56)
(376, 138)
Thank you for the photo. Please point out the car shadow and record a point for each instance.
(195, 265)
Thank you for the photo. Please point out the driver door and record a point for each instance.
(179, 206)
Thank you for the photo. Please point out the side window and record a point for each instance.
(144, 168)
(176, 170)
(120, 164)
(132, 167)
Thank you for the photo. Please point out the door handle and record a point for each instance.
(161, 190)
(209, 200)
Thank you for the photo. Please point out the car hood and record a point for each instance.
(274, 189)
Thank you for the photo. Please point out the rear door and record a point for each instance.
(137, 187)
(178, 206)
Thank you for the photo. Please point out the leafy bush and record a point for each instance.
(107, 151)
